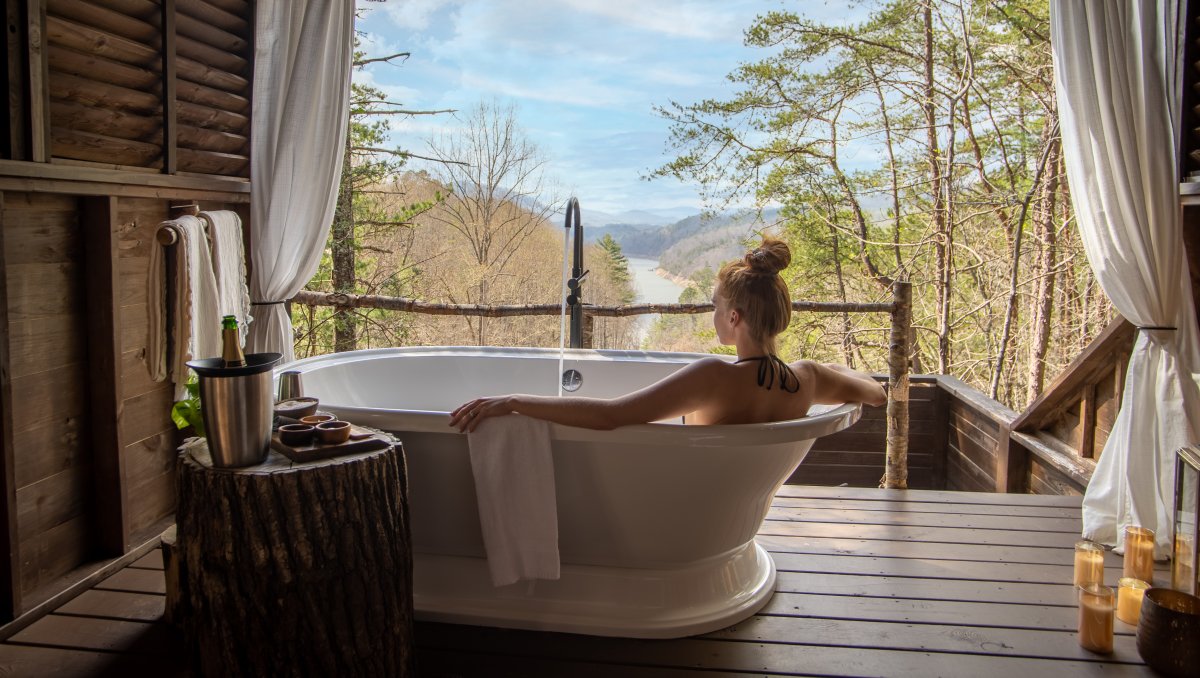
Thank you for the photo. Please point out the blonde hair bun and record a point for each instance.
(769, 258)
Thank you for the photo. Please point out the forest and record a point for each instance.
(921, 144)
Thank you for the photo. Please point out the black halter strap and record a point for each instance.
(768, 367)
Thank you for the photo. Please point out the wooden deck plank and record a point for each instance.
(434, 663)
(930, 536)
(934, 569)
(920, 550)
(958, 613)
(26, 660)
(758, 657)
(927, 589)
(89, 633)
(888, 517)
(150, 561)
(135, 580)
(947, 496)
(926, 507)
(116, 605)
(939, 638)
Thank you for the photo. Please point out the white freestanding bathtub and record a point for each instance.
(656, 521)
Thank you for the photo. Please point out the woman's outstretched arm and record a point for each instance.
(834, 384)
(678, 394)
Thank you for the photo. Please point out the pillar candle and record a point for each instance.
(1129, 599)
(1096, 618)
(1089, 563)
(1139, 553)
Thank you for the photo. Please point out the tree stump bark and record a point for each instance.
(292, 569)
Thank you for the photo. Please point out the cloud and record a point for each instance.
(413, 15)
(708, 21)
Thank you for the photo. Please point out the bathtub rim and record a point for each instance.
(831, 420)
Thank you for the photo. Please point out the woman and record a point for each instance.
(752, 307)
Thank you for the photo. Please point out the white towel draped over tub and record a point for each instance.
(195, 321)
(514, 486)
(229, 264)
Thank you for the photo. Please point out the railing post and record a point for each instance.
(588, 330)
(896, 468)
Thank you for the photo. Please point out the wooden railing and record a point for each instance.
(899, 308)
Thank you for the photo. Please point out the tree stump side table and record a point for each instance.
(295, 569)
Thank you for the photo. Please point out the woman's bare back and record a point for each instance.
(740, 399)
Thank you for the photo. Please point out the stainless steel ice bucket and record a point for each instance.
(237, 406)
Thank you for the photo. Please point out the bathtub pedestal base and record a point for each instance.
(600, 601)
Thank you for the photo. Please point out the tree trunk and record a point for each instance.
(1043, 297)
(940, 225)
(345, 326)
(296, 569)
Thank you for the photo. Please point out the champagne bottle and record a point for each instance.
(232, 351)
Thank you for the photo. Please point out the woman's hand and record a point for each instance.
(468, 416)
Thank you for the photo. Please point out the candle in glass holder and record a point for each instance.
(1089, 563)
(1139, 553)
(1096, 618)
(1129, 599)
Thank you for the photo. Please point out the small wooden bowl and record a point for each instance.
(296, 407)
(333, 432)
(296, 434)
(315, 419)
(1168, 635)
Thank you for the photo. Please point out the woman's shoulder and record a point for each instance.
(711, 364)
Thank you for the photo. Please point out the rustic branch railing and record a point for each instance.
(900, 308)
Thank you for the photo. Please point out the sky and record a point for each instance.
(583, 76)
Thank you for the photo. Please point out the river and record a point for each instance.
(651, 288)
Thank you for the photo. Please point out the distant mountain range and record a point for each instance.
(650, 217)
(686, 245)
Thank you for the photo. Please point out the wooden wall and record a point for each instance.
(52, 460)
(110, 103)
(116, 110)
(977, 439)
(855, 457)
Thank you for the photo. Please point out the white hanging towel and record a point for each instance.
(195, 322)
(229, 264)
(514, 486)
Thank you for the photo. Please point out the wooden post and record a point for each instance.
(38, 79)
(589, 328)
(295, 569)
(103, 282)
(896, 469)
(169, 103)
(10, 566)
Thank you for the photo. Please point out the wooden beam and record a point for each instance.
(170, 104)
(38, 78)
(10, 567)
(1094, 359)
(505, 311)
(103, 287)
(125, 179)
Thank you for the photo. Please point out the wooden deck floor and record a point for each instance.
(871, 583)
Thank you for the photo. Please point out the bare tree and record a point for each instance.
(495, 177)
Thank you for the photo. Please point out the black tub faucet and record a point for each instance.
(575, 284)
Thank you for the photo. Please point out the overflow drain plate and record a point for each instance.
(572, 380)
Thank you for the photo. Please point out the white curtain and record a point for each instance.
(302, 63)
(1117, 68)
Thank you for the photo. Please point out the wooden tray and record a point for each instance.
(361, 440)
